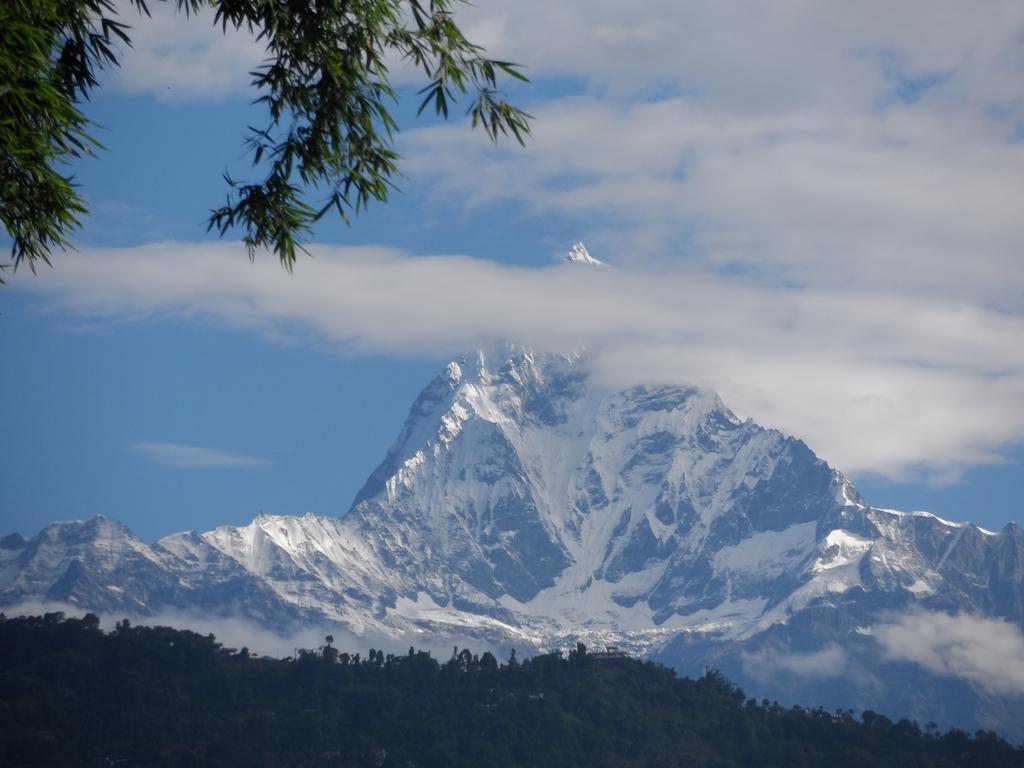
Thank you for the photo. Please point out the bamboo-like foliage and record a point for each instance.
(327, 143)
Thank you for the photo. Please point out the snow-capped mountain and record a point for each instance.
(518, 489)
(579, 254)
(524, 504)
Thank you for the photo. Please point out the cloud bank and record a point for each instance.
(755, 56)
(874, 381)
(816, 144)
(194, 457)
(912, 201)
(986, 652)
(827, 663)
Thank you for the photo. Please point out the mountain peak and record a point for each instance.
(578, 254)
(13, 541)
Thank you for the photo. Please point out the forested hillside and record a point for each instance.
(71, 694)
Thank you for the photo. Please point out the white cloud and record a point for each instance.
(186, 58)
(748, 56)
(911, 201)
(986, 652)
(742, 55)
(194, 457)
(826, 663)
(179, 58)
(874, 380)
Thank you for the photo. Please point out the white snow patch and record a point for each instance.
(921, 587)
(425, 610)
(842, 549)
(769, 553)
(733, 618)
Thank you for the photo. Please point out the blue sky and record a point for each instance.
(817, 214)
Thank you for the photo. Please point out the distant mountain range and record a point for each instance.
(524, 505)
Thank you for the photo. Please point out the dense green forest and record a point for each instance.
(71, 694)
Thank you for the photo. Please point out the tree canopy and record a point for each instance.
(73, 695)
(327, 141)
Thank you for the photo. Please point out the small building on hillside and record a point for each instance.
(611, 653)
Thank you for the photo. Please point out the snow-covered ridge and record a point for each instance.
(936, 518)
